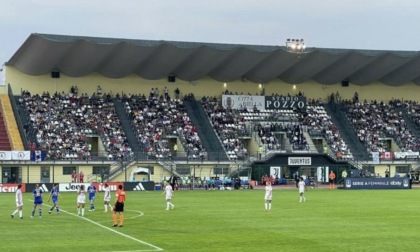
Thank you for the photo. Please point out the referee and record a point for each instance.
(119, 207)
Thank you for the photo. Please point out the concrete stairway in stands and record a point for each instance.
(10, 129)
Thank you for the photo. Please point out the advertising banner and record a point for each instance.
(407, 155)
(11, 188)
(139, 186)
(377, 183)
(113, 186)
(71, 187)
(46, 187)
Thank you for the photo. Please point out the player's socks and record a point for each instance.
(13, 214)
(114, 218)
(20, 214)
(269, 206)
(265, 206)
(106, 208)
(33, 213)
(40, 212)
(83, 212)
(58, 209)
(121, 220)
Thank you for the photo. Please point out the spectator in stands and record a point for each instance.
(99, 91)
(74, 177)
(177, 93)
(331, 178)
(81, 177)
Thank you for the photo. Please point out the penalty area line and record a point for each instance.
(117, 232)
(156, 248)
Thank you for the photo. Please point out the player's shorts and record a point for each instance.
(331, 181)
(169, 197)
(19, 204)
(301, 190)
(54, 200)
(81, 200)
(91, 197)
(268, 198)
(107, 199)
(119, 207)
(38, 202)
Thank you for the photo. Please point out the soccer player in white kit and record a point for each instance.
(107, 198)
(169, 194)
(81, 200)
(268, 195)
(19, 203)
(302, 189)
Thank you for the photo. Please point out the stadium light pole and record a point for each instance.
(295, 45)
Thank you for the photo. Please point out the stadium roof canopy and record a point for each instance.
(78, 56)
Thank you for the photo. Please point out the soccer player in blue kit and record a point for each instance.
(92, 194)
(54, 196)
(37, 192)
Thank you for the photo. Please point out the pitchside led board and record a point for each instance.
(377, 183)
(261, 103)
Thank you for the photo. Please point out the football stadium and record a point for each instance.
(215, 123)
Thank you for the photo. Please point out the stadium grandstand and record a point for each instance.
(140, 110)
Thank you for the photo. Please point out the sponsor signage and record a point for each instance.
(299, 161)
(11, 188)
(71, 187)
(74, 187)
(46, 187)
(139, 186)
(113, 186)
(406, 155)
(377, 183)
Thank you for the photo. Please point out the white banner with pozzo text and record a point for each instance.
(21, 155)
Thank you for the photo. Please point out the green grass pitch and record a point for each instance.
(330, 220)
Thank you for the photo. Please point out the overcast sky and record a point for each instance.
(354, 24)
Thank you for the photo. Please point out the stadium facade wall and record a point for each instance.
(31, 172)
(205, 86)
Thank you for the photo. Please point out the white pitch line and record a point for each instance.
(115, 231)
(125, 218)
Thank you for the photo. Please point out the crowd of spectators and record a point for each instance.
(156, 116)
(266, 132)
(376, 120)
(228, 126)
(60, 124)
(319, 124)
(62, 121)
